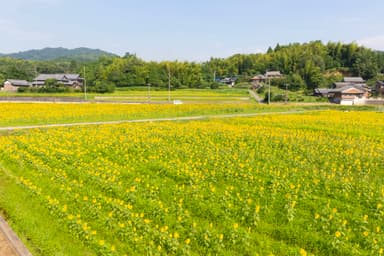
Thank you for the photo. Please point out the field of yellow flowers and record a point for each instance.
(49, 113)
(299, 184)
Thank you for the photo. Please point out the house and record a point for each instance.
(12, 85)
(230, 81)
(321, 92)
(273, 74)
(347, 95)
(354, 80)
(379, 88)
(357, 82)
(349, 91)
(268, 75)
(72, 80)
(258, 78)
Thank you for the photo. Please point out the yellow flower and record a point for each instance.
(337, 234)
(317, 216)
(235, 226)
(303, 252)
(187, 241)
(101, 242)
(365, 233)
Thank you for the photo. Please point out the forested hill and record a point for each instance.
(305, 66)
(78, 54)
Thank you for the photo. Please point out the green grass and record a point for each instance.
(297, 96)
(36, 228)
(141, 95)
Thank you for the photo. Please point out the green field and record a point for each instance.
(142, 95)
(296, 184)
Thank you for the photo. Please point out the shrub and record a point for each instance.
(104, 87)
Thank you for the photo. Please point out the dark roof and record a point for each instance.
(16, 82)
(342, 89)
(273, 73)
(340, 84)
(321, 90)
(59, 77)
(353, 80)
(360, 86)
(258, 77)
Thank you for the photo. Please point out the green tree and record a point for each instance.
(365, 64)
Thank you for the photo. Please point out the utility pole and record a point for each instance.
(286, 93)
(149, 89)
(34, 80)
(85, 86)
(269, 91)
(214, 76)
(169, 84)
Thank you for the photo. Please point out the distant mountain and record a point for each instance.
(60, 53)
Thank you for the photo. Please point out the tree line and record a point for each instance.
(305, 66)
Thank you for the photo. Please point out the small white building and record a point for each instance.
(12, 85)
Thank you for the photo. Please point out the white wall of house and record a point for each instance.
(8, 87)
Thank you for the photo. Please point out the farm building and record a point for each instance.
(12, 85)
(268, 75)
(347, 95)
(258, 78)
(321, 92)
(273, 74)
(73, 80)
(348, 92)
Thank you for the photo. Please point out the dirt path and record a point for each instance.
(255, 96)
(5, 247)
(186, 118)
(10, 244)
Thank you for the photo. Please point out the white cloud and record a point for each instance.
(374, 42)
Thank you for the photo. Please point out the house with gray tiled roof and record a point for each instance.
(73, 80)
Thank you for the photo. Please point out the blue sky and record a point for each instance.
(191, 30)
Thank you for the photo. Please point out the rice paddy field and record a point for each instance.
(283, 184)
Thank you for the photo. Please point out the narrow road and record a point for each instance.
(10, 244)
(148, 120)
(255, 96)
